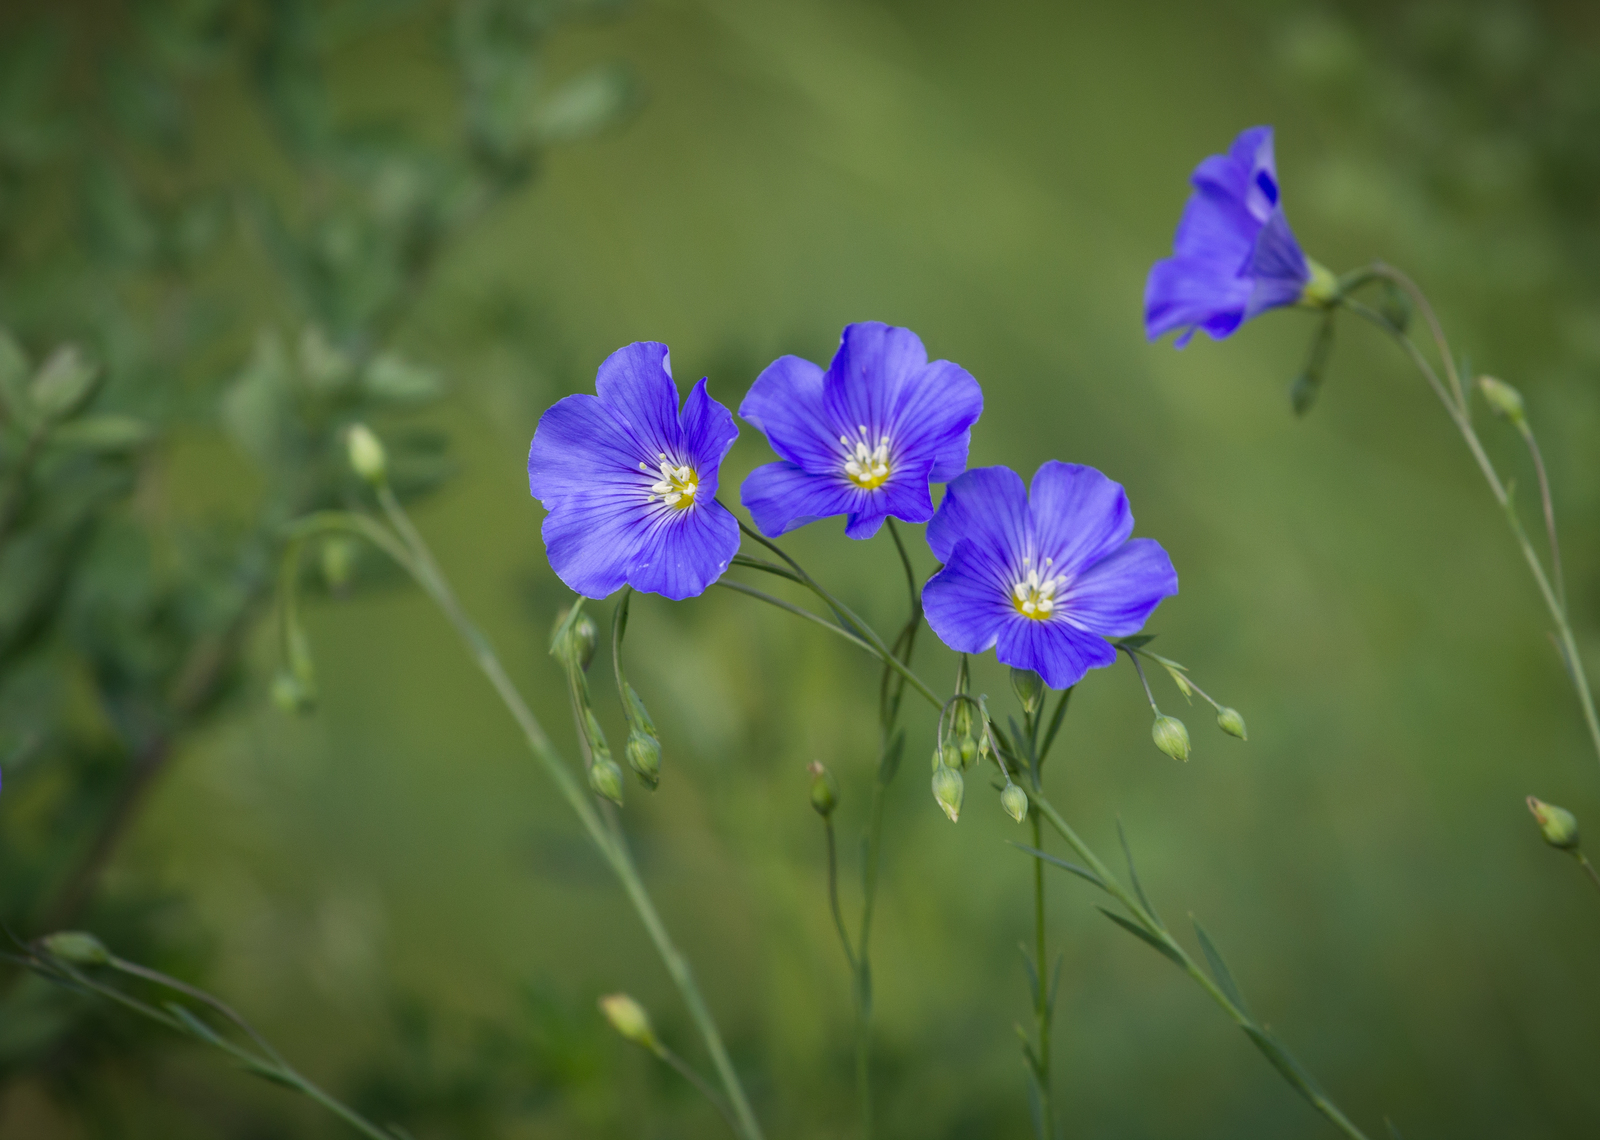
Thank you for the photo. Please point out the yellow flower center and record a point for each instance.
(677, 485)
(1034, 596)
(865, 465)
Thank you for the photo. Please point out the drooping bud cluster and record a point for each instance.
(572, 643)
(643, 749)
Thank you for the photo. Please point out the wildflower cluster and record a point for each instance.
(1045, 580)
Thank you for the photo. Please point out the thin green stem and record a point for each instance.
(433, 581)
(1526, 431)
(1138, 668)
(833, 893)
(1458, 412)
(1589, 867)
(689, 1073)
(1157, 932)
(1041, 997)
(763, 596)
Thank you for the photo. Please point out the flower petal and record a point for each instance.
(786, 403)
(866, 381)
(684, 552)
(932, 418)
(782, 496)
(968, 601)
(708, 431)
(578, 445)
(1116, 595)
(988, 505)
(635, 385)
(1057, 651)
(1079, 515)
(591, 540)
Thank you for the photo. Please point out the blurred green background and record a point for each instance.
(391, 889)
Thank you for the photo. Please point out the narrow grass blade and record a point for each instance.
(1219, 968)
(1133, 874)
(1284, 1062)
(1143, 935)
(1081, 872)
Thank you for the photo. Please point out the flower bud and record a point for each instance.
(77, 947)
(291, 695)
(606, 779)
(338, 561)
(1171, 737)
(1232, 723)
(948, 789)
(366, 454)
(1029, 687)
(1558, 825)
(824, 789)
(1015, 801)
(644, 756)
(969, 752)
(961, 719)
(630, 1020)
(584, 639)
(1503, 400)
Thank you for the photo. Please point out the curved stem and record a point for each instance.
(433, 581)
(1566, 640)
(1589, 867)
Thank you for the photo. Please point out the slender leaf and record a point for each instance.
(1081, 872)
(1144, 935)
(1055, 984)
(1133, 874)
(1033, 973)
(1219, 968)
(1284, 1062)
(193, 1024)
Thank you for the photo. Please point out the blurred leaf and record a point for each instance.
(1133, 875)
(1081, 872)
(108, 433)
(1284, 1062)
(14, 373)
(392, 378)
(256, 407)
(324, 366)
(583, 107)
(64, 383)
(119, 227)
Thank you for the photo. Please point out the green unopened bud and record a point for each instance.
(961, 719)
(291, 695)
(1015, 801)
(1503, 400)
(630, 1020)
(598, 748)
(1232, 723)
(1558, 825)
(644, 756)
(77, 947)
(606, 779)
(338, 562)
(1171, 737)
(824, 789)
(366, 454)
(1029, 687)
(948, 790)
(969, 752)
(584, 639)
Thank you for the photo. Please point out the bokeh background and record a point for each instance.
(389, 886)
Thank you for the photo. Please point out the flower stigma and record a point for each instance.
(865, 465)
(1035, 596)
(677, 485)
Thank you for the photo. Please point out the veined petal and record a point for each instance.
(1079, 515)
(1116, 595)
(782, 496)
(635, 385)
(1277, 266)
(1057, 651)
(708, 431)
(932, 417)
(988, 505)
(786, 404)
(968, 601)
(590, 540)
(866, 382)
(578, 445)
(684, 552)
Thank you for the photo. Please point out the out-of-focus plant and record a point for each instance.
(125, 351)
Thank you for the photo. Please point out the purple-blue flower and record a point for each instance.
(1234, 255)
(630, 481)
(863, 439)
(1043, 578)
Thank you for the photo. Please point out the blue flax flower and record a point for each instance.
(863, 439)
(630, 481)
(1043, 578)
(1234, 255)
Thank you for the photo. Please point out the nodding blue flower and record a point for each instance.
(630, 481)
(863, 439)
(1234, 256)
(1042, 578)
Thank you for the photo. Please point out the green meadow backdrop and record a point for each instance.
(392, 891)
